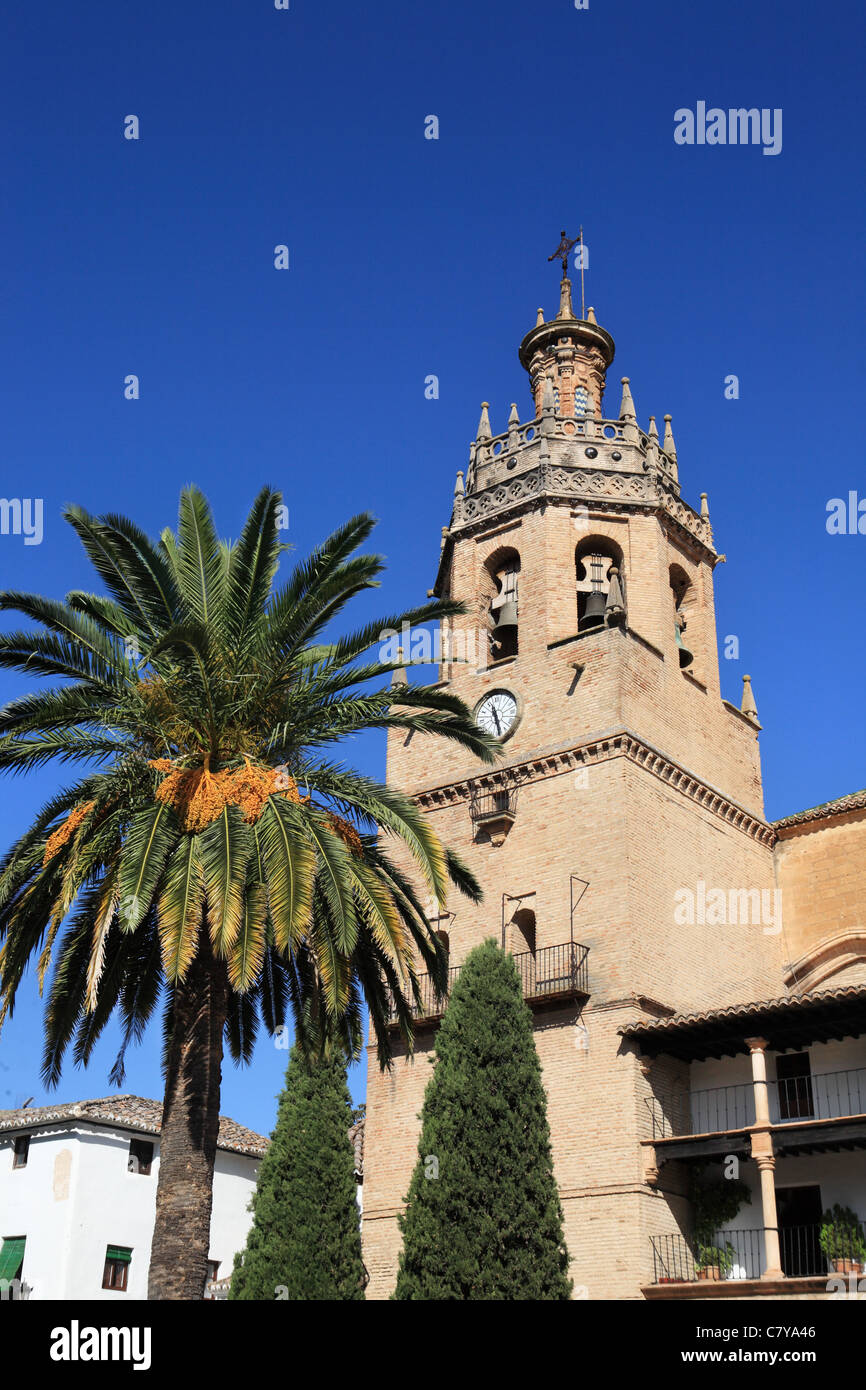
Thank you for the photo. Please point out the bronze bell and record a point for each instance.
(506, 620)
(685, 656)
(593, 614)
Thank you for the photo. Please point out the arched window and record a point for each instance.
(502, 586)
(600, 584)
(446, 943)
(683, 593)
(523, 931)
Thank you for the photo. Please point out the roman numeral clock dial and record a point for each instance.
(497, 713)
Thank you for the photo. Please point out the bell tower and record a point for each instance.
(626, 781)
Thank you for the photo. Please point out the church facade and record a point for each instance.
(697, 974)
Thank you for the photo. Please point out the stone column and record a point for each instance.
(764, 1156)
(757, 1048)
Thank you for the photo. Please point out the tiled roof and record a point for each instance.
(132, 1112)
(855, 801)
(139, 1113)
(745, 1011)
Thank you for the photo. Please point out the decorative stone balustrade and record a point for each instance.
(505, 448)
(605, 462)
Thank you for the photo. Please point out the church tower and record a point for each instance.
(629, 789)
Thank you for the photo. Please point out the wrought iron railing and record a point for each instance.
(827, 1096)
(802, 1253)
(718, 1109)
(486, 805)
(732, 1255)
(723, 1255)
(552, 972)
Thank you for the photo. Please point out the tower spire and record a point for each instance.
(574, 352)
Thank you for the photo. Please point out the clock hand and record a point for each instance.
(496, 718)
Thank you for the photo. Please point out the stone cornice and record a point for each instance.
(621, 743)
(580, 330)
(567, 482)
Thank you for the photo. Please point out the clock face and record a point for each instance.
(497, 713)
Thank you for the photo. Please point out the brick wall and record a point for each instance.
(821, 871)
(594, 801)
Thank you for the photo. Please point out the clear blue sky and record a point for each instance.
(411, 257)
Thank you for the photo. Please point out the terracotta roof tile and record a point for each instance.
(743, 1011)
(132, 1112)
(855, 801)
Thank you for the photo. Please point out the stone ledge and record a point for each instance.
(620, 742)
(733, 1289)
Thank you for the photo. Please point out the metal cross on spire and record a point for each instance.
(564, 247)
(561, 253)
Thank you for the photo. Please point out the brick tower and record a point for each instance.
(627, 783)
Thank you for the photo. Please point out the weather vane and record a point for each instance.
(562, 250)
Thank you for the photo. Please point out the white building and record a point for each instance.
(78, 1197)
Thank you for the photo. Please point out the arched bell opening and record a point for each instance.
(684, 602)
(502, 582)
(600, 584)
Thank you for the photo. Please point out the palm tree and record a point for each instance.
(211, 853)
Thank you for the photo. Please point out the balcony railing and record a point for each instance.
(733, 1255)
(491, 805)
(829, 1096)
(712, 1111)
(550, 973)
(724, 1255)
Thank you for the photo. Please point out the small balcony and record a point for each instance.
(494, 812)
(731, 1109)
(737, 1256)
(552, 974)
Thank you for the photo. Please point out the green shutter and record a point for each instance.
(118, 1252)
(12, 1257)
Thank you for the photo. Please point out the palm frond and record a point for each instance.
(150, 839)
(198, 568)
(180, 909)
(289, 863)
(225, 848)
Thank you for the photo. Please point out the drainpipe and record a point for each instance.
(764, 1155)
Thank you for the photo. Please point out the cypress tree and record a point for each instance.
(483, 1218)
(305, 1240)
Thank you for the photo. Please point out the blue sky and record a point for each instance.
(409, 257)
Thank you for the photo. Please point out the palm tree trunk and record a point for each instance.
(190, 1126)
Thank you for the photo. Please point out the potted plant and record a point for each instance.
(714, 1261)
(842, 1241)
